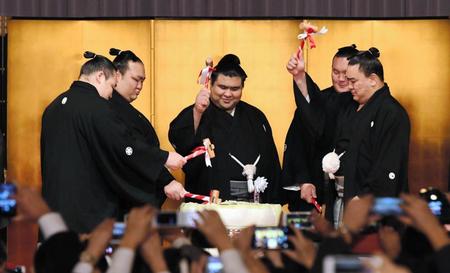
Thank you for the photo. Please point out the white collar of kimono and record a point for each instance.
(232, 112)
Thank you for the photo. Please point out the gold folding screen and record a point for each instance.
(45, 56)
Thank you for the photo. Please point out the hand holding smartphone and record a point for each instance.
(214, 265)
(385, 206)
(271, 238)
(300, 219)
(118, 232)
(349, 263)
(176, 219)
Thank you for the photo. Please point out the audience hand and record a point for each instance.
(321, 225)
(214, 230)
(175, 161)
(356, 214)
(31, 206)
(385, 266)
(174, 190)
(138, 226)
(390, 241)
(420, 217)
(99, 238)
(243, 240)
(152, 252)
(305, 251)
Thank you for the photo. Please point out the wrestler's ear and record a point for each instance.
(118, 75)
(100, 77)
(373, 79)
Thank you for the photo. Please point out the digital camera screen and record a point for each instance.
(271, 238)
(7, 204)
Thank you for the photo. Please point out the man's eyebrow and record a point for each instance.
(229, 86)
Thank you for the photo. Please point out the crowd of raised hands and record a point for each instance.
(413, 242)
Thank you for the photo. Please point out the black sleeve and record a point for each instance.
(295, 167)
(126, 160)
(389, 173)
(165, 177)
(311, 113)
(181, 132)
(274, 189)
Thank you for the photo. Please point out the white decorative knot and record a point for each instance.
(249, 171)
(331, 163)
(260, 184)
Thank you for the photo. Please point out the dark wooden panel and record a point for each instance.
(225, 9)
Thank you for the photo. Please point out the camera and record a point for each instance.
(385, 206)
(172, 219)
(300, 219)
(349, 263)
(271, 238)
(8, 205)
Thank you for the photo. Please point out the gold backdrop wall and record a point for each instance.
(45, 56)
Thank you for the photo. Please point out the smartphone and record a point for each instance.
(172, 219)
(117, 232)
(166, 219)
(349, 263)
(438, 203)
(387, 206)
(8, 205)
(300, 219)
(214, 265)
(187, 219)
(271, 238)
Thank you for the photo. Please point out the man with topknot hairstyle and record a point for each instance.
(235, 128)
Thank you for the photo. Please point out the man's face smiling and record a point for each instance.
(226, 92)
(338, 70)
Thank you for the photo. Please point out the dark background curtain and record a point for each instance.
(225, 8)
